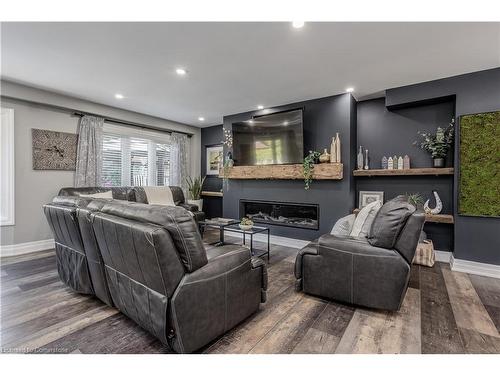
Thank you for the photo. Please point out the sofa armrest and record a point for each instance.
(189, 207)
(215, 298)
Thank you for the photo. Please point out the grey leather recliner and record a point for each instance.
(160, 275)
(373, 271)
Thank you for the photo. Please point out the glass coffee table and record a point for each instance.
(220, 224)
(250, 232)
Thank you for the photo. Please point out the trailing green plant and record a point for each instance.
(194, 186)
(415, 199)
(308, 166)
(437, 144)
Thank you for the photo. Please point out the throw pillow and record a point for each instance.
(343, 226)
(389, 222)
(365, 218)
(159, 195)
(105, 195)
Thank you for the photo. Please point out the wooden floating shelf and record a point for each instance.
(404, 172)
(325, 171)
(212, 193)
(429, 218)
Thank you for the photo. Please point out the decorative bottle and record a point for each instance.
(337, 148)
(400, 163)
(324, 157)
(390, 163)
(360, 158)
(384, 162)
(366, 160)
(406, 162)
(333, 151)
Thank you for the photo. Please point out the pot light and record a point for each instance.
(298, 24)
(119, 96)
(349, 89)
(260, 106)
(201, 118)
(285, 123)
(181, 71)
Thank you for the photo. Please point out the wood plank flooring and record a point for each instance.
(443, 312)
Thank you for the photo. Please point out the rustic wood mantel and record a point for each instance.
(325, 171)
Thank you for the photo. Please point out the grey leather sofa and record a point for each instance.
(371, 272)
(135, 194)
(161, 276)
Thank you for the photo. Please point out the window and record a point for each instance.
(133, 157)
(7, 167)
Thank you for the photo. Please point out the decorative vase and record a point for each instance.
(390, 163)
(438, 162)
(439, 205)
(366, 160)
(333, 151)
(324, 157)
(198, 202)
(406, 162)
(337, 149)
(360, 158)
(400, 163)
(384, 163)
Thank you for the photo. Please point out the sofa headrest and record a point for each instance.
(121, 193)
(71, 201)
(176, 220)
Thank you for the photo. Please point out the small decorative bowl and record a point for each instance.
(245, 227)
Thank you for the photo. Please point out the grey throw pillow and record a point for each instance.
(389, 222)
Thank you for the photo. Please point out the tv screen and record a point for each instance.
(270, 139)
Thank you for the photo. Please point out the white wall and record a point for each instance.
(34, 188)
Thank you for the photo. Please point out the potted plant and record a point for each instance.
(438, 144)
(194, 187)
(246, 223)
(308, 165)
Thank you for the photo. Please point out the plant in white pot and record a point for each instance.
(194, 188)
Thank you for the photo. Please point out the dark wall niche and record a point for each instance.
(475, 238)
(210, 136)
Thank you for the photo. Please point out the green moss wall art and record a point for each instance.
(479, 178)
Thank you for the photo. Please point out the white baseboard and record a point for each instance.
(442, 256)
(475, 268)
(26, 247)
(275, 240)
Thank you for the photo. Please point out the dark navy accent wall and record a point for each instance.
(322, 119)
(387, 133)
(210, 136)
(476, 238)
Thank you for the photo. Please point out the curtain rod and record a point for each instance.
(75, 112)
(134, 124)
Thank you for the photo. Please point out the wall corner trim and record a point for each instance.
(475, 268)
(26, 247)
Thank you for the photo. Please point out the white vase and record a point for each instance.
(198, 202)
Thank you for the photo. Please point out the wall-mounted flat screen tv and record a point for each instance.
(271, 139)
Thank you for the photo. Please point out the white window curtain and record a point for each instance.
(88, 154)
(135, 157)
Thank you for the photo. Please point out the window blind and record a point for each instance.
(134, 157)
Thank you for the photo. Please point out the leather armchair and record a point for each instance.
(352, 270)
(161, 276)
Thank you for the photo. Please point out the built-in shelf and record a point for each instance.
(429, 218)
(404, 172)
(212, 193)
(325, 171)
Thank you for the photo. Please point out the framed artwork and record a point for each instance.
(367, 197)
(214, 159)
(53, 150)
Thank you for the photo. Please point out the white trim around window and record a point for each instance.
(7, 167)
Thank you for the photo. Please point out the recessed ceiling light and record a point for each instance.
(285, 123)
(260, 106)
(119, 96)
(201, 118)
(250, 121)
(349, 89)
(181, 71)
(298, 24)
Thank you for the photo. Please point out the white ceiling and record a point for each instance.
(233, 67)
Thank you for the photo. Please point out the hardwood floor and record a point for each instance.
(443, 312)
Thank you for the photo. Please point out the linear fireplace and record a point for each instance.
(299, 215)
